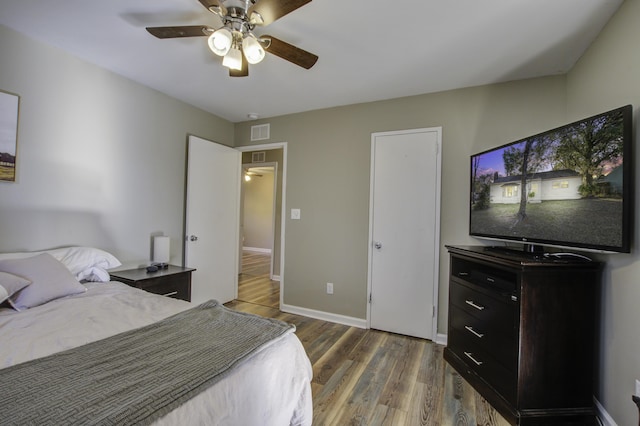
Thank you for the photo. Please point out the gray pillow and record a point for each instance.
(10, 284)
(49, 278)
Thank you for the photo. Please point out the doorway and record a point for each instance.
(258, 209)
(260, 278)
(256, 283)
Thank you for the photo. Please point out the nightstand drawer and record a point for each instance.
(174, 281)
(173, 286)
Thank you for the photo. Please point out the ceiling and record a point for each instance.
(369, 49)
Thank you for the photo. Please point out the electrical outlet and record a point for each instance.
(637, 388)
(329, 288)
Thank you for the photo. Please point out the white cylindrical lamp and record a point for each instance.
(161, 250)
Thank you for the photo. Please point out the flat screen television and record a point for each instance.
(569, 187)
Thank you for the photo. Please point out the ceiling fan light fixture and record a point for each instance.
(253, 50)
(220, 41)
(256, 18)
(217, 9)
(233, 59)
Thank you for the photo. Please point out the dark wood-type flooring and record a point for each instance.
(369, 377)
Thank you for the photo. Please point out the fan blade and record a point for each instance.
(214, 6)
(176, 32)
(290, 52)
(243, 72)
(271, 10)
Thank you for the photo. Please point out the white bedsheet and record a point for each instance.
(272, 388)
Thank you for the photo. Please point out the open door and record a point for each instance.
(212, 212)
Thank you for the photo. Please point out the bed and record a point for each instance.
(90, 352)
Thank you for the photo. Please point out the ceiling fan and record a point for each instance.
(235, 40)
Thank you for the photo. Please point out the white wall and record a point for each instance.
(101, 159)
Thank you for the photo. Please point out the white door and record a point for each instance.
(212, 220)
(404, 231)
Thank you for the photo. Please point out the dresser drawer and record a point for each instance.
(493, 312)
(484, 275)
(500, 344)
(482, 363)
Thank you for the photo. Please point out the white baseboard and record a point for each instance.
(325, 316)
(604, 417)
(441, 339)
(257, 249)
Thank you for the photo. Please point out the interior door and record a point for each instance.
(404, 231)
(212, 220)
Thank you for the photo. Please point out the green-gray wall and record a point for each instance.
(258, 211)
(328, 166)
(608, 76)
(101, 159)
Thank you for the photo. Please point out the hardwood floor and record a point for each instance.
(370, 377)
(254, 283)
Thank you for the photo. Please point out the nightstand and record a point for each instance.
(174, 281)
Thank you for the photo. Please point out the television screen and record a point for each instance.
(567, 187)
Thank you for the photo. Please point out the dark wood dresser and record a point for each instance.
(523, 331)
(173, 281)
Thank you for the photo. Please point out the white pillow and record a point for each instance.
(95, 274)
(49, 278)
(10, 284)
(81, 261)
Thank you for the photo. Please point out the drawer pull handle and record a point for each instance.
(472, 331)
(470, 356)
(471, 303)
(463, 274)
(173, 293)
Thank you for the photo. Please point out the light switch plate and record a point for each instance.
(295, 214)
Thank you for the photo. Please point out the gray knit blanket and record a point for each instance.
(138, 376)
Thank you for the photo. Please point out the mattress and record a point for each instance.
(272, 387)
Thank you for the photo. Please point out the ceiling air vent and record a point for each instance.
(260, 132)
(258, 157)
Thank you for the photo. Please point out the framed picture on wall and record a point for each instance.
(9, 105)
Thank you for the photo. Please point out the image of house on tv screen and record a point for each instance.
(564, 186)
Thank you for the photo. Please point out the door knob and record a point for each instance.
(377, 245)
(193, 238)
